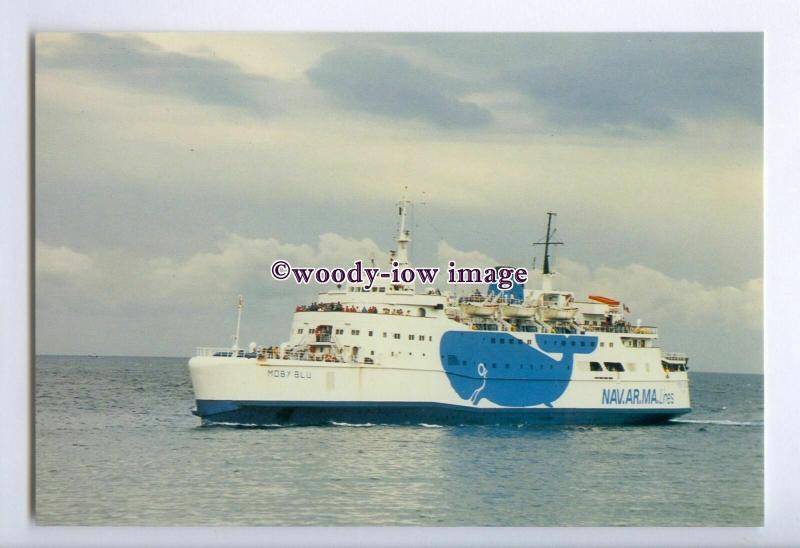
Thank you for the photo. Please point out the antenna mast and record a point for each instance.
(546, 272)
(403, 234)
(239, 306)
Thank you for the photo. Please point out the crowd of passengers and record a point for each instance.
(339, 307)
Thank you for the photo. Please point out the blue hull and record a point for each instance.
(270, 413)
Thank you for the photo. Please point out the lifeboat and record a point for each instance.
(604, 300)
(554, 313)
(480, 310)
(516, 311)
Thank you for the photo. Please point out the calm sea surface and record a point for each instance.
(116, 444)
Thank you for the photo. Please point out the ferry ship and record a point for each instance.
(398, 355)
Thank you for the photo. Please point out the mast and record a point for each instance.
(546, 268)
(239, 306)
(547, 274)
(403, 235)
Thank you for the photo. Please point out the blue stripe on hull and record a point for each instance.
(317, 413)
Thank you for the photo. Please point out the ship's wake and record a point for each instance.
(720, 422)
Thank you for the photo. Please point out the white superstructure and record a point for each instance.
(395, 354)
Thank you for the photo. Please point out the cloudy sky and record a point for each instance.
(173, 168)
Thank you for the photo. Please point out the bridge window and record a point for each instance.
(595, 366)
(614, 366)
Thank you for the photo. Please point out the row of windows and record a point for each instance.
(359, 289)
(610, 366)
(453, 360)
(548, 342)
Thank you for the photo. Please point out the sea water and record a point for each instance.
(116, 444)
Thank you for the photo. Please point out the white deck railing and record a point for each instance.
(218, 351)
(285, 355)
(640, 330)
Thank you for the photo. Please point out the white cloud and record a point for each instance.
(61, 261)
(467, 259)
(652, 295)
(238, 265)
(657, 297)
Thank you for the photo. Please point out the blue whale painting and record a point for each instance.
(507, 371)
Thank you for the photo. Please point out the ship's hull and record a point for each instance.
(306, 413)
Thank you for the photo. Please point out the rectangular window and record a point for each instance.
(422, 337)
(411, 337)
(300, 331)
(369, 333)
(430, 338)
(340, 331)
(397, 335)
(355, 332)
(384, 334)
